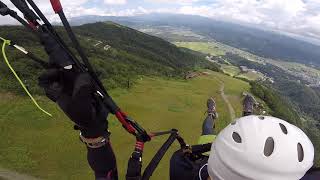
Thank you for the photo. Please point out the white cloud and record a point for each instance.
(69, 7)
(175, 1)
(115, 2)
(7, 20)
(294, 16)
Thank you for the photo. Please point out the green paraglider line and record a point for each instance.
(8, 42)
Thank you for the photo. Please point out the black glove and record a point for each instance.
(50, 81)
(74, 92)
(58, 57)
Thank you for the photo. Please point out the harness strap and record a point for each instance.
(8, 42)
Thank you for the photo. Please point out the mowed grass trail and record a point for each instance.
(48, 148)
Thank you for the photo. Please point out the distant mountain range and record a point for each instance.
(265, 43)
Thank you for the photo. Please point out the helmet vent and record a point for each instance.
(236, 137)
(261, 117)
(283, 128)
(234, 123)
(300, 152)
(269, 147)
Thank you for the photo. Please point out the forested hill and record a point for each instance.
(138, 43)
(118, 54)
(148, 54)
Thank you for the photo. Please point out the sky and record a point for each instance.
(301, 17)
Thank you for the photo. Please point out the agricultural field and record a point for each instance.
(215, 49)
(230, 70)
(204, 47)
(251, 76)
(171, 34)
(48, 148)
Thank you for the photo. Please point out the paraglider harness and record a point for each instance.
(38, 24)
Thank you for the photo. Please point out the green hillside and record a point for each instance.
(140, 44)
(131, 53)
(48, 148)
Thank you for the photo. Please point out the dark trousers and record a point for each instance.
(247, 113)
(103, 162)
(208, 126)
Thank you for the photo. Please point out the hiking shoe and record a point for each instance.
(211, 104)
(248, 104)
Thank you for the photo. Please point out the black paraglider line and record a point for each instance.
(34, 25)
(106, 99)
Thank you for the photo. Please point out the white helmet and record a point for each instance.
(260, 148)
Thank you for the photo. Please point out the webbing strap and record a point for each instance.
(8, 42)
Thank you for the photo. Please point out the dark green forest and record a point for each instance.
(279, 106)
(132, 53)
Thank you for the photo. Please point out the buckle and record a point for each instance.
(94, 142)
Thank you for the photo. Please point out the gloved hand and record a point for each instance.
(57, 56)
(74, 92)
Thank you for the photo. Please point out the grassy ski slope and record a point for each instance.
(48, 148)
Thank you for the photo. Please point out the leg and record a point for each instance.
(248, 104)
(208, 126)
(247, 113)
(103, 162)
(100, 156)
